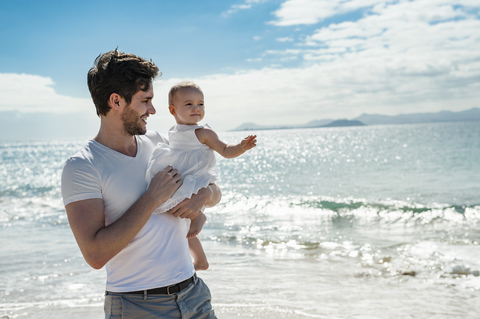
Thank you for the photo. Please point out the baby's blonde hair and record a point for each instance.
(179, 86)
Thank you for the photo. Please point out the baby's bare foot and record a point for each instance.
(196, 225)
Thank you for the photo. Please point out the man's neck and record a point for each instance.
(121, 142)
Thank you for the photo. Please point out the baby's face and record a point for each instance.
(188, 107)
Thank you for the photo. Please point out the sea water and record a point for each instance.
(356, 222)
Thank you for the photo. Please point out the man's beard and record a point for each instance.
(132, 123)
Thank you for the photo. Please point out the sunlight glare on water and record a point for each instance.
(360, 222)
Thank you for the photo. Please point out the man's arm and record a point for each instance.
(206, 197)
(99, 243)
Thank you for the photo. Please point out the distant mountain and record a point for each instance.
(253, 126)
(311, 124)
(443, 116)
(317, 123)
(377, 119)
(338, 123)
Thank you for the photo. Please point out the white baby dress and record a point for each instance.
(193, 160)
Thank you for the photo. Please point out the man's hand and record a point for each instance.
(164, 185)
(189, 208)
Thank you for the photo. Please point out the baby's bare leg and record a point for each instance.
(196, 225)
(200, 261)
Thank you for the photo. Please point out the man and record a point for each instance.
(109, 208)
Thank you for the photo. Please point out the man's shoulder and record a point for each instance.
(83, 158)
(85, 153)
(80, 176)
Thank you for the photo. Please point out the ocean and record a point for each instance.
(352, 222)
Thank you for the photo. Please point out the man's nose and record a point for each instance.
(151, 109)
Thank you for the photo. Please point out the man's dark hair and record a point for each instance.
(121, 73)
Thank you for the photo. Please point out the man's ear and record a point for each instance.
(114, 101)
(172, 109)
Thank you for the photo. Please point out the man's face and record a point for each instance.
(135, 114)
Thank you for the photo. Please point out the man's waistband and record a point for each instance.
(168, 290)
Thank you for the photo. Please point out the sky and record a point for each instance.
(269, 62)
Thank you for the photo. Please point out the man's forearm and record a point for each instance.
(206, 197)
(99, 243)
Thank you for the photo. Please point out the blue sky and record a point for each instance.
(262, 61)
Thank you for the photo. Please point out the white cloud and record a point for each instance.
(244, 6)
(298, 95)
(308, 12)
(285, 39)
(33, 93)
(409, 38)
(401, 57)
(297, 12)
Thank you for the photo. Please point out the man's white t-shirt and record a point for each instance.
(158, 256)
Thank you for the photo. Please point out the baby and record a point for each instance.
(190, 151)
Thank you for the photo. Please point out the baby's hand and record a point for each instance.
(249, 142)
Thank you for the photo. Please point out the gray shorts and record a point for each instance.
(192, 302)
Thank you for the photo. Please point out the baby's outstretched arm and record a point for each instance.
(210, 138)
